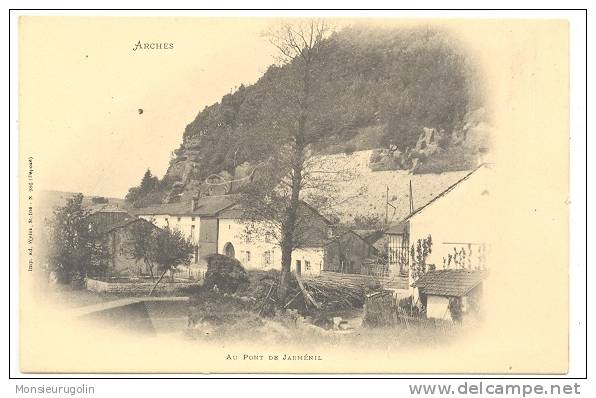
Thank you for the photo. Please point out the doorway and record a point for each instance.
(229, 250)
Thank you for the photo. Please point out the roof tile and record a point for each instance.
(449, 282)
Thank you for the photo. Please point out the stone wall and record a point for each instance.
(138, 287)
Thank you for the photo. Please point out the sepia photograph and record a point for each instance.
(305, 195)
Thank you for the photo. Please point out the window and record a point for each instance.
(248, 256)
(267, 258)
(178, 219)
(192, 232)
(192, 219)
(307, 265)
(167, 222)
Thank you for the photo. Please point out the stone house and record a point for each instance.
(217, 224)
(322, 245)
(196, 219)
(117, 238)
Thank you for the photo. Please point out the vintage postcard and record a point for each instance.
(293, 195)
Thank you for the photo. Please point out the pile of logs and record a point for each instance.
(308, 296)
(333, 296)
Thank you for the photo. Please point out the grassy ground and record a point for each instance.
(218, 318)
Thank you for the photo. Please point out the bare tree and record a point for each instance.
(275, 198)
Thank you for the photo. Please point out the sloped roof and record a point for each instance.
(233, 212)
(106, 228)
(449, 282)
(104, 208)
(401, 226)
(340, 232)
(398, 228)
(206, 206)
(365, 233)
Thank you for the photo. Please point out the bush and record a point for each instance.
(376, 156)
(225, 272)
(349, 149)
(409, 307)
(99, 200)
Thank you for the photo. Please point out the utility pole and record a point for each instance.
(387, 206)
(411, 199)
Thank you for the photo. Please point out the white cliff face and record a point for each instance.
(365, 192)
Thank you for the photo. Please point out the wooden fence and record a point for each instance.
(382, 309)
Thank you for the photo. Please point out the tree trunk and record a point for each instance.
(159, 280)
(288, 239)
(149, 266)
(287, 246)
(284, 283)
(288, 228)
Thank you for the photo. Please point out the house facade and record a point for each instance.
(322, 245)
(255, 244)
(454, 220)
(196, 219)
(101, 216)
(347, 252)
(217, 224)
(118, 240)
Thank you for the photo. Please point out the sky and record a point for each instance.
(82, 86)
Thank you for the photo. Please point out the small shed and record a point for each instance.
(450, 294)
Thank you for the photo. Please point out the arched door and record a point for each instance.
(229, 250)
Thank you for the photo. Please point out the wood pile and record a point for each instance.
(307, 296)
(334, 295)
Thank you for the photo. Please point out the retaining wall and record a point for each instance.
(137, 287)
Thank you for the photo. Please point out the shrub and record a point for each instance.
(376, 156)
(408, 306)
(349, 149)
(225, 272)
(99, 200)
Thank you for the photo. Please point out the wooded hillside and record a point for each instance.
(412, 94)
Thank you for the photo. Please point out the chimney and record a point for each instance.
(483, 154)
(195, 203)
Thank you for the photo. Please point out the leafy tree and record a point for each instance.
(132, 195)
(99, 200)
(149, 191)
(142, 244)
(397, 80)
(73, 251)
(168, 249)
(149, 182)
